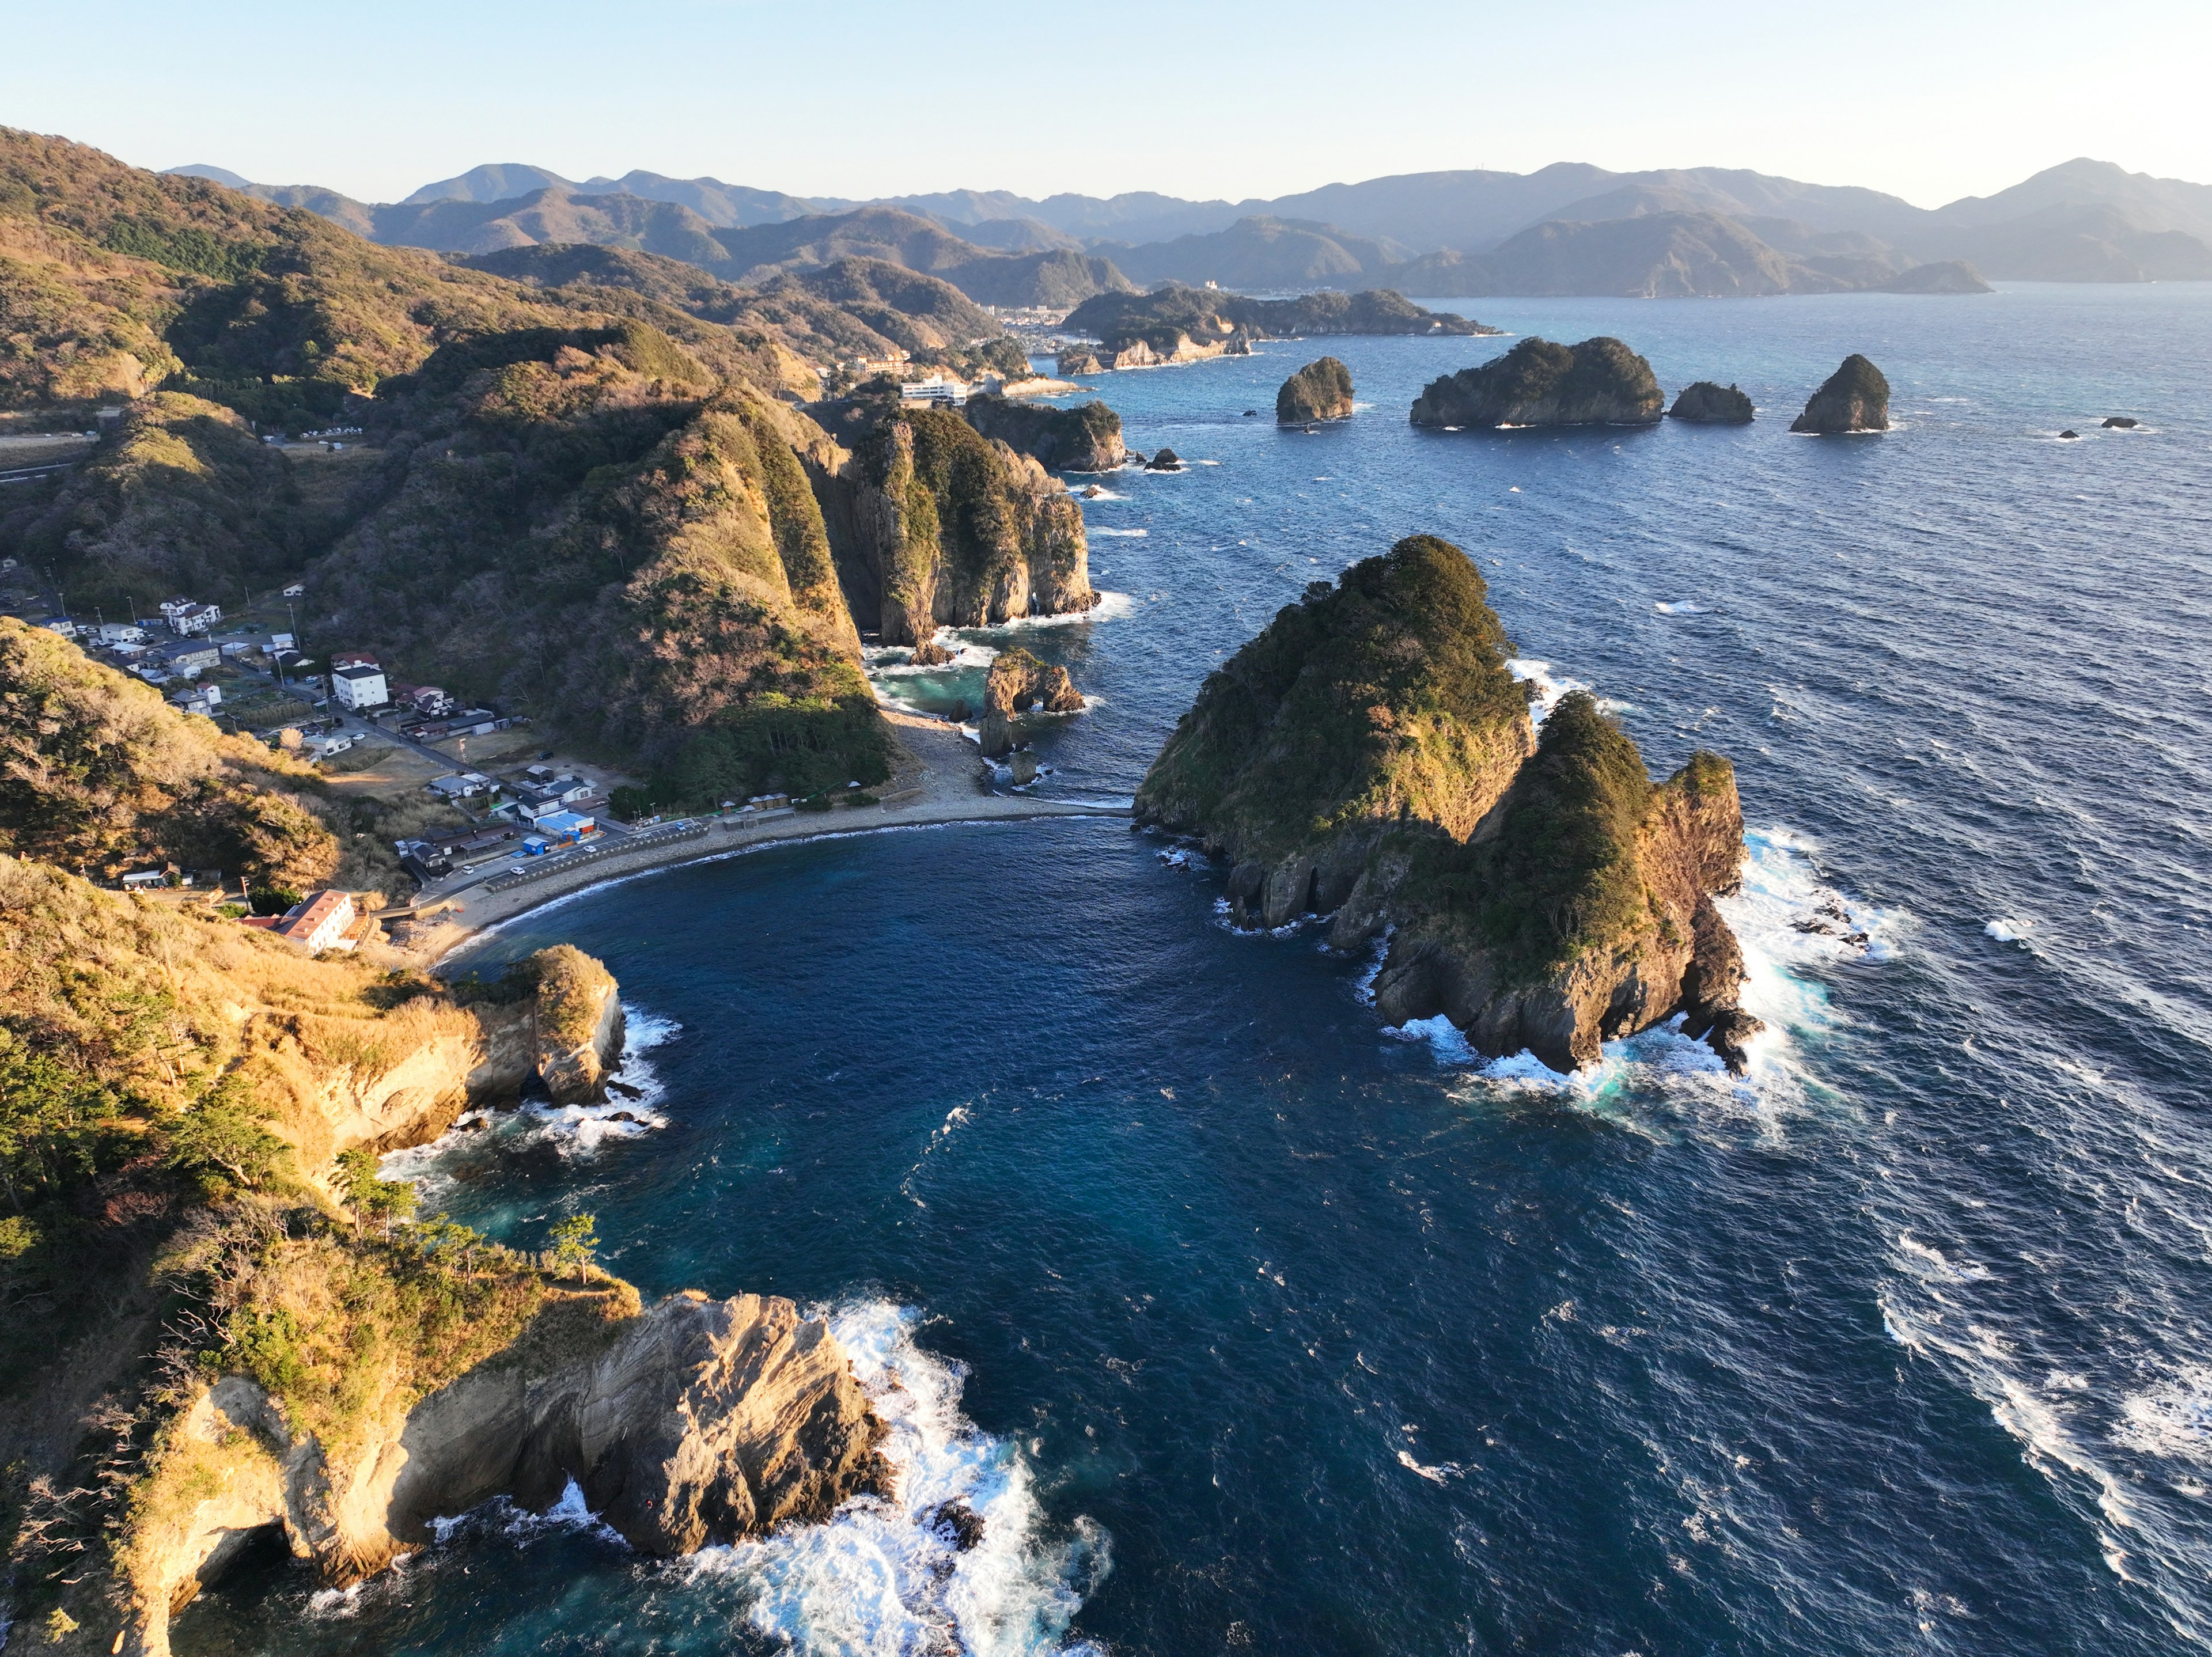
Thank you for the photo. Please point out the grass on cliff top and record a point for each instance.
(1384, 697)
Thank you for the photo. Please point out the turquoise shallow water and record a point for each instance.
(1249, 1325)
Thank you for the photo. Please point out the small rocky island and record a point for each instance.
(1855, 399)
(1087, 438)
(1019, 682)
(1708, 404)
(1600, 382)
(1320, 390)
(1367, 756)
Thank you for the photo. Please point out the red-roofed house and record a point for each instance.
(320, 922)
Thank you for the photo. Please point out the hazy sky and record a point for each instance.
(1929, 99)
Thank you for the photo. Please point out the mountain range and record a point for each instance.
(1568, 228)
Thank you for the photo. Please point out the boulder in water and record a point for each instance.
(1709, 403)
(1320, 390)
(2121, 422)
(1024, 765)
(1855, 399)
(2065, 437)
(1166, 460)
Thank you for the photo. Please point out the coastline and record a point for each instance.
(947, 788)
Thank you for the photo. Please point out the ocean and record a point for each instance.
(1248, 1324)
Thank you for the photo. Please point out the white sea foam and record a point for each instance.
(2010, 930)
(1930, 1265)
(885, 1577)
(1442, 1474)
(1679, 607)
(2172, 1419)
(1127, 535)
(1550, 686)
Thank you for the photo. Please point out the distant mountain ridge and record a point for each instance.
(1567, 228)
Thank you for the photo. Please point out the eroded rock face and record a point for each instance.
(568, 1035)
(1708, 404)
(1019, 682)
(1087, 438)
(1320, 390)
(700, 1421)
(934, 525)
(1539, 383)
(1854, 398)
(1583, 910)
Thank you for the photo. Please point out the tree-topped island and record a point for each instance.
(1370, 756)
(1600, 382)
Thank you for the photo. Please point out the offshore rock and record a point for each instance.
(1369, 756)
(1164, 460)
(1584, 911)
(1320, 390)
(1538, 382)
(1855, 399)
(566, 1034)
(1381, 700)
(1018, 682)
(1082, 439)
(697, 1422)
(1708, 403)
(2121, 422)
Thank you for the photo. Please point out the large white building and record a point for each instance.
(360, 686)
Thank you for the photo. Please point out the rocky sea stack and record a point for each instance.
(1856, 399)
(1320, 390)
(1600, 382)
(1019, 682)
(1082, 439)
(1369, 756)
(1708, 403)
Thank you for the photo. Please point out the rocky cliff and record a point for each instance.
(1369, 757)
(1382, 699)
(1018, 682)
(1080, 440)
(1708, 403)
(1210, 312)
(1320, 390)
(932, 525)
(1854, 398)
(697, 1422)
(1581, 911)
(1538, 382)
(556, 1019)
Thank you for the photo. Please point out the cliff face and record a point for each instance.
(1706, 403)
(1582, 911)
(556, 1019)
(1383, 698)
(1084, 440)
(1320, 390)
(1854, 398)
(1538, 382)
(699, 1421)
(934, 525)
(1018, 682)
(1367, 756)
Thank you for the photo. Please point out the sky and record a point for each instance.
(1928, 100)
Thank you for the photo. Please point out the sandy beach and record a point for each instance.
(946, 782)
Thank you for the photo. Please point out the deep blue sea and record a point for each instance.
(1251, 1325)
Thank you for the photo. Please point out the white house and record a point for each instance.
(121, 632)
(360, 687)
(298, 589)
(60, 624)
(187, 617)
